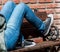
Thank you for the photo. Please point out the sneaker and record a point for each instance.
(2, 26)
(48, 22)
(29, 43)
(2, 23)
(2, 20)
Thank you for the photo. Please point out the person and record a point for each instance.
(14, 15)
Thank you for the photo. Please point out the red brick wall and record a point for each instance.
(50, 6)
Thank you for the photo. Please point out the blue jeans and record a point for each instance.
(14, 15)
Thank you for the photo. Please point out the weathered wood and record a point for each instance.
(39, 46)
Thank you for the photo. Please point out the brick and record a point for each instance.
(4, 1)
(58, 27)
(51, 5)
(25, 1)
(44, 1)
(57, 16)
(34, 6)
(57, 0)
(57, 10)
(0, 1)
(42, 10)
(16, 1)
(29, 1)
(48, 11)
(57, 5)
(57, 22)
(0, 7)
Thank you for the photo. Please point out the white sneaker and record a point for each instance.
(29, 43)
(48, 22)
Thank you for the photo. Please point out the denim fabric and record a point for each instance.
(14, 15)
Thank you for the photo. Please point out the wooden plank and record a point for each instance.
(39, 46)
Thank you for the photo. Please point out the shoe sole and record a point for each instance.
(33, 44)
(51, 16)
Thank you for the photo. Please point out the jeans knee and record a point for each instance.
(23, 5)
(10, 3)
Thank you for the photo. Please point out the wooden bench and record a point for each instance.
(40, 47)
